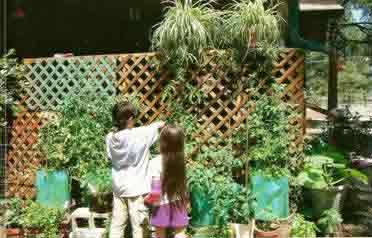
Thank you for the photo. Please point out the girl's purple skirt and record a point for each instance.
(169, 216)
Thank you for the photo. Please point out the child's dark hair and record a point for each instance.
(121, 113)
(174, 174)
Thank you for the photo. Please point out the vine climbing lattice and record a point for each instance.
(223, 110)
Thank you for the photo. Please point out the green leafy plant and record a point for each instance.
(329, 221)
(324, 172)
(232, 202)
(46, 221)
(186, 31)
(11, 81)
(302, 228)
(97, 188)
(270, 137)
(74, 140)
(183, 119)
(10, 212)
(98, 180)
(350, 132)
(29, 215)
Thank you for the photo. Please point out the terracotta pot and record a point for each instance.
(14, 232)
(31, 232)
(268, 234)
(282, 232)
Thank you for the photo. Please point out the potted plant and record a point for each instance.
(251, 34)
(240, 216)
(41, 221)
(187, 30)
(180, 45)
(329, 221)
(228, 205)
(324, 177)
(273, 161)
(302, 228)
(11, 82)
(73, 140)
(10, 214)
(98, 184)
(199, 179)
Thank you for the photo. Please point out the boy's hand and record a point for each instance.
(161, 125)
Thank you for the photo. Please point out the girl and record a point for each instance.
(168, 189)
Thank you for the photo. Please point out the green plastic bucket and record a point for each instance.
(52, 188)
(272, 199)
(201, 209)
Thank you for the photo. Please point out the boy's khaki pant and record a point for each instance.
(134, 209)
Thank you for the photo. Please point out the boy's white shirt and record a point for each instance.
(129, 151)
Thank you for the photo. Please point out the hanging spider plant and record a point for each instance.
(252, 26)
(187, 29)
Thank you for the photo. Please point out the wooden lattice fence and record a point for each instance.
(51, 80)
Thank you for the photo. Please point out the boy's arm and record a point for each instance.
(152, 131)
(108, 151)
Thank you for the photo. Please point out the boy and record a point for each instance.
(129, 150)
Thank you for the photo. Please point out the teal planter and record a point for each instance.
(201, 209)
(52, 188)
(272, 197)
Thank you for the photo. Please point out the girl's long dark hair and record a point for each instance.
(174, 173)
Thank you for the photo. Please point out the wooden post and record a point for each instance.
(3, 26)
(332, 80)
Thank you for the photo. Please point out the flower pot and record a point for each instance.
(267, 234)
(322, 200)
(31, 232)
(358, 201)
(14, 232)
(283, 231)
(242, 230)
(101, 202)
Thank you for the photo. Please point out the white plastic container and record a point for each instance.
(87, 232)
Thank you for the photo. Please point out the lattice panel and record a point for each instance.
(51, 80)
(138, 77)
(23, 158)
(289, 71)
(226, 108)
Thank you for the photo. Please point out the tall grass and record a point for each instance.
(187, 29)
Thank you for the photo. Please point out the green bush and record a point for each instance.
(302, 228)
(11, 82)
(74, 140)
